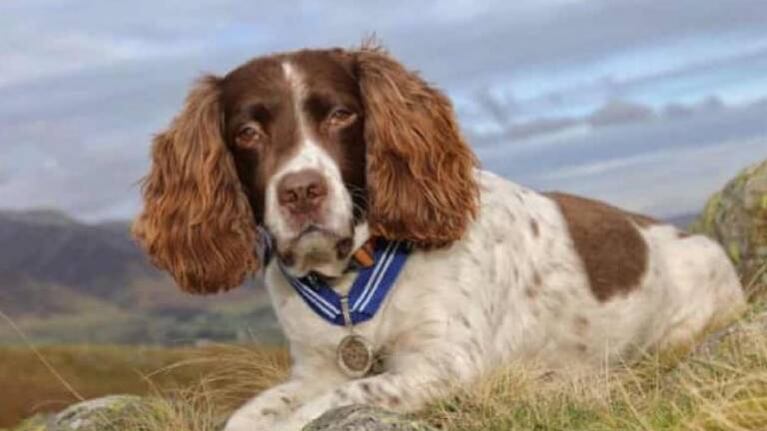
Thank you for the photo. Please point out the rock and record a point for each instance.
(115, 412)
(35, 423)
(755, 325)
(737, 218)
(364, 418)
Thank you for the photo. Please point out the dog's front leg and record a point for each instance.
(403, 389)
(275, 404)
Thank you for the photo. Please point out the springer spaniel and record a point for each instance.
(290, 164)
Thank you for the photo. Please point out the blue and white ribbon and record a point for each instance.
(368, 290)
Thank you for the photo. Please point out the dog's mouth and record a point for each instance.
(317, 250)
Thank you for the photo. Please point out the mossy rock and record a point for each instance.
(364, 418)
(35, 423)
(116, 412)
(737, 218)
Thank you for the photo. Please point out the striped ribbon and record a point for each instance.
(376, 275)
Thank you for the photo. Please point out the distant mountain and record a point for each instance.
(58, 274)
(682, 220)
(50, 247)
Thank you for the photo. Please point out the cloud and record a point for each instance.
(619, 112)
(612, 113)
(664, 183)
(84, 86)
(663, 167)
(678, 110)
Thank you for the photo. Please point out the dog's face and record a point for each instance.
(294, 126)
(316, 148)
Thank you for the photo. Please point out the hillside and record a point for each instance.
(65, 281)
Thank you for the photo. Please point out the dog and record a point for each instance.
(316, 169)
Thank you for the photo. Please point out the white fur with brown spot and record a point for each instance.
(503, 293)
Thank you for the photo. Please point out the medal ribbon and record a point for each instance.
(368, 290)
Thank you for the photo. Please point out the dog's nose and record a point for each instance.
(302, 192)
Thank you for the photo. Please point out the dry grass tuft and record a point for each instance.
(188, 386)
(721, 385)
(234, 375)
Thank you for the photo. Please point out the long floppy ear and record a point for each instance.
(420, 172)
(197, 223)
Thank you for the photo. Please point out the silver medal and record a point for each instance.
(354, 354)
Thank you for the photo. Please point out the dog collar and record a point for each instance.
(377, 263)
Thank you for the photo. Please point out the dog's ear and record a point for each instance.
(420, 171)
(197, 223)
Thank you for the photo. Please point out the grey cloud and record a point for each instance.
(678, 110)
(572, 162)
(80, 177)
(541, 126)
(500, 42)
(491, 38)
(612, 113)
(619, 112)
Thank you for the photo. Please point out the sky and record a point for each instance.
(651, 105)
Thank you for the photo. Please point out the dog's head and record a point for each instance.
(317, 148)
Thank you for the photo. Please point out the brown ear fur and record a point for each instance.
(197, 223)
(420, 171)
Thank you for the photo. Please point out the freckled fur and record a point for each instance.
(563, 325)
(497, 277)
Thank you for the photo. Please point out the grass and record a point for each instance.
(724, 391)
(722, 386)
(74, 373)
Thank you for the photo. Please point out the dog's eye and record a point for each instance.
(249, 135)
(341, 117)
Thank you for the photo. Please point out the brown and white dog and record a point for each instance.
(323, 149)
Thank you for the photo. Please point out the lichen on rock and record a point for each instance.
(737, 218)
(115, 412)
(364, 418)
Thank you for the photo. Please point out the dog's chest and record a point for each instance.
(307, 329)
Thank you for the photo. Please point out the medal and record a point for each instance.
(377, 263)
(354, 354)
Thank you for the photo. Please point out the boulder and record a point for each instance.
(115, 412)
(736, 216)
(364, 418)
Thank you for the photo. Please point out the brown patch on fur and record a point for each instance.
(420, 172)
(464, 321)
(610, 246)
(533, 289)
(581, 325)
(535, 228)
(341, 394)
(258, 92)
(197, 222)
(530, 292)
